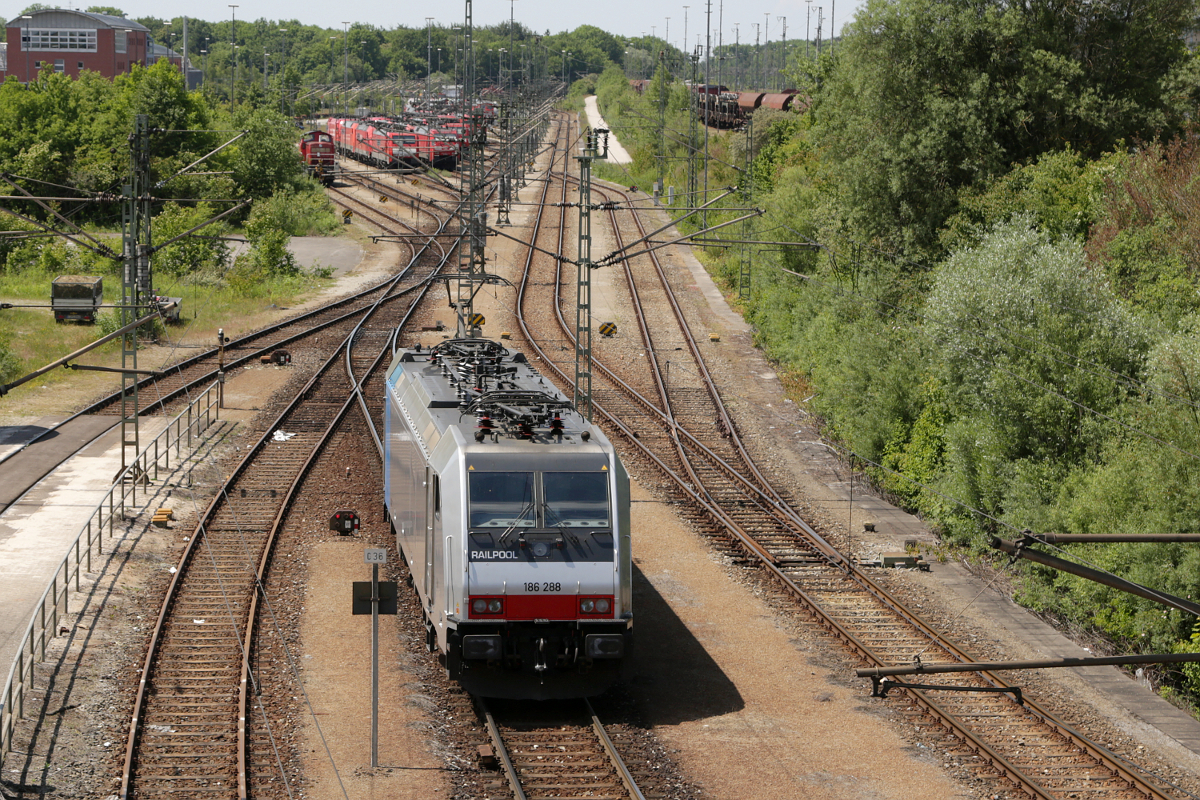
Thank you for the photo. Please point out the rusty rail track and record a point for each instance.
(547, 760)
(188, 732)
(724, 493)
(336, 317)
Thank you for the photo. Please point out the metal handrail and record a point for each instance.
(122, 495)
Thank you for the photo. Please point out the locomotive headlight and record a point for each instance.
(480, 606)
(587, 606)
(540, 549)
(494, 606)
(602, 606)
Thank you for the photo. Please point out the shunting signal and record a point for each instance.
(344, 522)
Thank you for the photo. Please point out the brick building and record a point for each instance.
(70, 41)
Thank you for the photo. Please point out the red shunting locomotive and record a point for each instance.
(316, 150)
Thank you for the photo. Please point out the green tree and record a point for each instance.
(194, 253)
(265, 159)
(929, 96)
(1028, 344)
(1062, 192)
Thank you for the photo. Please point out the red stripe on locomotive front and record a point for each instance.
(520, 607)
(542, 606)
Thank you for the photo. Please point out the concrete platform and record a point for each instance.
(37, 529)
(22, 465)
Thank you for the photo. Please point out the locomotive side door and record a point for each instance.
(432, 507)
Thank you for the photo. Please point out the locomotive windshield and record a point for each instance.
(539, 500)
(575, 499)
(502, 500)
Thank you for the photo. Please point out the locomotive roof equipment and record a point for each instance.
(512, 513)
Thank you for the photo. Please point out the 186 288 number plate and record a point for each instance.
(534, 586)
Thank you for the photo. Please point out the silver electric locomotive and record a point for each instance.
(512, 513)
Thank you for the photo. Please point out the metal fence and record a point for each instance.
(112, 509)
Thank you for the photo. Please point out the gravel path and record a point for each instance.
(616, 153)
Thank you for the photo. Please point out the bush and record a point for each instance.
(267, 257)
(193, 253)
(110, 322)
(302, 211)
(10, 366)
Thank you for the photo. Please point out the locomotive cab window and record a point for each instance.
(545, 500)
(502, 500)
(575, 499)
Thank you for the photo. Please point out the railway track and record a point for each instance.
(194, 729)
(194, 712)
(544, 750)
(194, 720)
(549, 753)
(674, 424)
(331, 321)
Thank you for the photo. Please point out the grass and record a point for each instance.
(36, 339)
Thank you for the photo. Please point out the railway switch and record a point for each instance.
(344, 522)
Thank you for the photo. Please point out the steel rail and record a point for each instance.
(996, 759)
(619, 763)
(840, 561)
(782, 509)
(452, 214)
(253, 336)
(243, 340)
(760, 487)
(594, 725)
(395, 333)
(290, 496)
(189, 551)
(714, 510)
(191, 548)
(501, 751)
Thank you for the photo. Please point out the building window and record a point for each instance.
(120, 39)
(60, 65)
(59, 39)
(81, 65)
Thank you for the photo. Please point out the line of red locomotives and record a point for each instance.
(387, 144)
